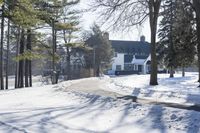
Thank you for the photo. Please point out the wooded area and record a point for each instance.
(24, 41)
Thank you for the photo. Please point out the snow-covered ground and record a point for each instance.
(37, 81)
(179, 89)
(176, 90)
(90, 106)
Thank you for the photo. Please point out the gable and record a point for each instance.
(129, 58)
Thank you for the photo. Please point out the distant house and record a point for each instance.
(131, 57)
(76, 60)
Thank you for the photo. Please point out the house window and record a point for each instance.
(118, 67)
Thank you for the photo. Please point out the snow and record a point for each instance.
(138, 61)
(176, 90)
(37, 81)
(90, 106)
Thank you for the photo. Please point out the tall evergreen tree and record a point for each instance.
(166, 34)
(177, 35)
(24, 15)
(56, 8)
(185, 39)
(68, 27)
(102, 50)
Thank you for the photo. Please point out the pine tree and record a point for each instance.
(184, 36)
(24, 15)
(166, 34)
(57, 21)
(69, 27)
(102, 52)
(177, 35)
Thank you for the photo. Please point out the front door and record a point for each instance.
(139, 68)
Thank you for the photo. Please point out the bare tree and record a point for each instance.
(123, 14)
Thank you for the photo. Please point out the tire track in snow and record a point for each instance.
(12, 127)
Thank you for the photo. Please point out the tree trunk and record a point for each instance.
(17, 62)
(26, 74)
(154, 7)
(21, 62)
(154, 71)
(1, 50)
(55, 73)
(68, 64)
(171, 47)
(94, 61)
(183, 71)
(30, 73)
(28, 61)
(98, 71)
(8, 53)
(171, 72)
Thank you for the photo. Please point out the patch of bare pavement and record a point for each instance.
(96, 87)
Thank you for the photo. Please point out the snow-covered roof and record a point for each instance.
(138, 61)
(128, 58)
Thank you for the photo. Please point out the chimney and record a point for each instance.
(106, 35)
(142, 38)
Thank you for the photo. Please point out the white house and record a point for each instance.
(131, 57)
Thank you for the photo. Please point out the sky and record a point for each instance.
(89, 18)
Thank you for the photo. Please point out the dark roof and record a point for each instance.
(131, 47)
(128, 58)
